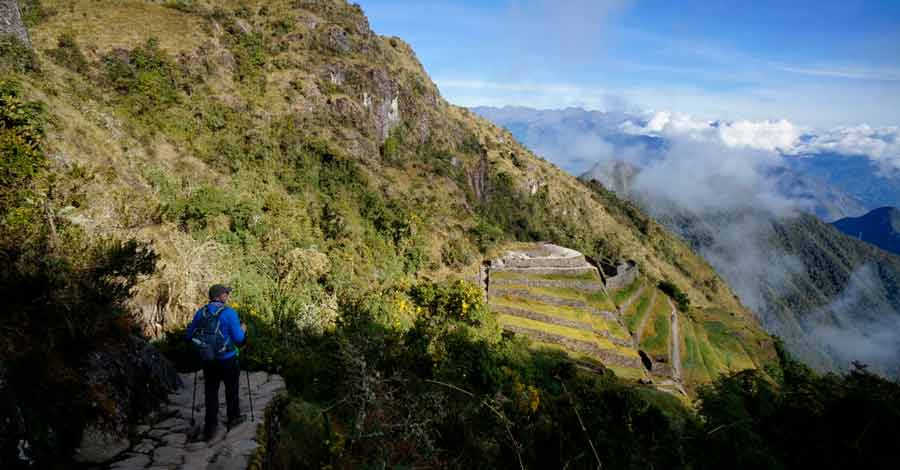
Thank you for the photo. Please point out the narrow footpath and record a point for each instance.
(674, 343)
(170, 443)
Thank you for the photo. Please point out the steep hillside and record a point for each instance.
(151, 149)
(830, 296)
(235, 134)
(880, 227)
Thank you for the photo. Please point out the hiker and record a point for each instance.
(216, 332)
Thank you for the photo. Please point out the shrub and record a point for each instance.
(676, 294)
(146, 80)
(22, 162)
(68, 54)
(455, 253)
(15, 56)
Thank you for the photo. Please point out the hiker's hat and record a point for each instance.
(217, 290)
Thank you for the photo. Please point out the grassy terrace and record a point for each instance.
(597, 299)
(621, 295)
(655, 338)
(618, 331)
(638, 309)
(548, 328)
(694, 364)
(568, 313)
(629, 373)
(572, 333)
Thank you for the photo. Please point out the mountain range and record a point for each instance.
(880, 227)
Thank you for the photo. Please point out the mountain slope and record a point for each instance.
(830, 296)
(286, 147)
(880, 227)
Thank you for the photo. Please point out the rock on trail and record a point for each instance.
(170, 442)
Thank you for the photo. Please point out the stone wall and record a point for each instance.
(547, 270)
(591, 286)
(626, 273)
(11, 21)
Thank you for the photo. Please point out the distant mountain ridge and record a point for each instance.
(880, 227)
(829, 185)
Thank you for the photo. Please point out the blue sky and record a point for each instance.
(815, 63)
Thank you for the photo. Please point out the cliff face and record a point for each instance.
(11, 21)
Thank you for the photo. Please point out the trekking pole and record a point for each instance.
(250, 395)
(194, 401)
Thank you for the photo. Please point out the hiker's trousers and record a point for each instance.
(214, 372)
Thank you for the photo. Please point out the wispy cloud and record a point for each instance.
(887, 75)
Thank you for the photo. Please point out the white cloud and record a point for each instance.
(757, 135)
(880, 144)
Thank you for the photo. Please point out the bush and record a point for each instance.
(676, 294)
(15, 56)
(68, 54)
(456, 254)
(147, 81)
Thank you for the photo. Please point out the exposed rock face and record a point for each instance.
(11, 21)
(170, 441)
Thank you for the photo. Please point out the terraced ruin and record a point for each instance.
(559, 299)
(604, 317)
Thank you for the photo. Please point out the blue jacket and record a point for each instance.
(229, 323)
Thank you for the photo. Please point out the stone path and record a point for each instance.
(170, 443)
(674, 343)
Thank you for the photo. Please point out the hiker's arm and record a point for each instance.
(190, 329)
(234, 327)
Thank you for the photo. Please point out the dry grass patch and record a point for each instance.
(110, 24)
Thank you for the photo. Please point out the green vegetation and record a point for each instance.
(68, 54)
(656, 340)
(240, 164)
(681, 299)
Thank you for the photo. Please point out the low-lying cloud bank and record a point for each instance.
(879, 144)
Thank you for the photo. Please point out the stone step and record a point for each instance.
(171, 441)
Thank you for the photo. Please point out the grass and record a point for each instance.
(596, 299)
(572, 333)
(548, 327)
(617, 330)
(621, 295)
(637, 310)
(694, 367)
(628, 373)
(658, 341)
(108, 24)
(568, 313)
